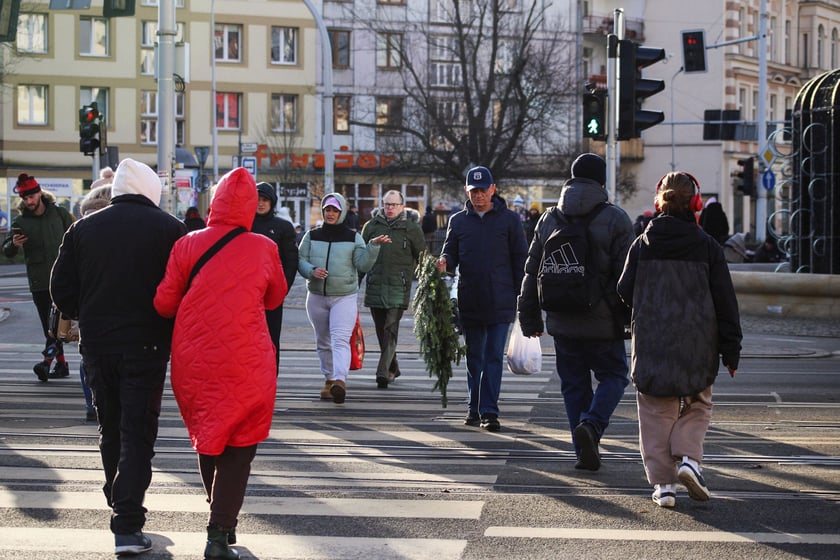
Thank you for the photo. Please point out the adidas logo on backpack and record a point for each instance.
(564, 282)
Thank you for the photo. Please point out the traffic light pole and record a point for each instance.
(612, 105)
(165, 63)
(761, 192)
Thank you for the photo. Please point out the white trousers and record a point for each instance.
(333, 319)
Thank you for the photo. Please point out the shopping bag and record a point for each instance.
(524, 355)
(357, 345)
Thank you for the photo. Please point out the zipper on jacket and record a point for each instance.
(326, 265)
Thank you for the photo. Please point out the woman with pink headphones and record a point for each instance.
(685, 318)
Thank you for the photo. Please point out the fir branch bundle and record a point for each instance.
(434, 328)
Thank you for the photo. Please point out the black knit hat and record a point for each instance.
(267, 191)
(590, 166)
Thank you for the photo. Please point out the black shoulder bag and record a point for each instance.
(215, 248)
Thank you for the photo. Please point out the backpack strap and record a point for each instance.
(215, 248)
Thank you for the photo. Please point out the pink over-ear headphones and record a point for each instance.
(696, 202)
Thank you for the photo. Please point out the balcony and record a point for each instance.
(603, 25)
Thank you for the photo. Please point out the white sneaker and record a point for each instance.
(689, 475)
(665, 495)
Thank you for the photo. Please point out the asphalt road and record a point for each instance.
(392, 474)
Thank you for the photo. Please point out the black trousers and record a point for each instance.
(387, 325)
(43, 303)
(274, 318)
(127, 390)
(225, 478)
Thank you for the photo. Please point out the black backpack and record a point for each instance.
(567, 279)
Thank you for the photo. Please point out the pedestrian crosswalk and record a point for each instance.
(392, 475)
(371, 478)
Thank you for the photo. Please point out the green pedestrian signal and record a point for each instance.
(595, 114)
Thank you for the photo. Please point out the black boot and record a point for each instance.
(217, 544)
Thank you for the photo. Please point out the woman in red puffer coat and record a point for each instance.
(223, 368)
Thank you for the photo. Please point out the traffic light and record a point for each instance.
(744, 180)
(595, 114)
(89, 129)
(634, 89)
(694, 51)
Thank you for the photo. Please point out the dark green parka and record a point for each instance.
(44, 233)
(389, 281)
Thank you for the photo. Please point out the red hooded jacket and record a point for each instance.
(223, 368)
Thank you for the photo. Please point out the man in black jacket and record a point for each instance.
(106, 274)
(590, 341)
(282, 232)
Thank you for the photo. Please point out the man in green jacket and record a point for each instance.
(39, 230)
(388, 288)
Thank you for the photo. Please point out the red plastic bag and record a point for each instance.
(357, 345)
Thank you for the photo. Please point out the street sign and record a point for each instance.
(250, 163)
(248, 147)
(766, 156)
(768, 179)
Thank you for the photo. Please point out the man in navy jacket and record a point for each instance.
(486, 243)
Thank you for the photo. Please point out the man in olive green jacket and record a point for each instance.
(388, 288)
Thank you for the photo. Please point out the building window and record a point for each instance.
(284, 115)
(805, 57)
(389, 111)
(443, 11)
(148, 40)
(228, 111)
(32, 33)
(88, 95)
(833, 47)
(772, 39)
(821, 47)
(388, 49)
(93, 36)
(227, 41)
(284, 45)
(149, 118)
(32, 105)
(445, 71)
(341, 114)
(340, 43)
(787, 42)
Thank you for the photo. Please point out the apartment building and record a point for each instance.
(803, 40)
(257, 58)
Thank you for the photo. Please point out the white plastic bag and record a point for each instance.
(524, 355)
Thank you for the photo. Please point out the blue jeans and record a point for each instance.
(127, 390)
(607, 359)
(485, 355)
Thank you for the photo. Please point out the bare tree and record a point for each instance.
(486, 82)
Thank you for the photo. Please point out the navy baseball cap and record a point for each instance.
(479, 178)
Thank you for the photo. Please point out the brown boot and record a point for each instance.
(338, 391)
(325, 391)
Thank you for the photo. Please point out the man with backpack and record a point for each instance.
(573, 264)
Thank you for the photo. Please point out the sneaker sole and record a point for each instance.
(131, 550)
(589, 459)
(694, 483)
(666, 500)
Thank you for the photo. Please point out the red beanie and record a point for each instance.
(26, 185)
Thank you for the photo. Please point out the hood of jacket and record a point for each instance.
(580, 195)
(669, 237)
(408, 214)
(234, 201)
(344, 207)
(134, 177)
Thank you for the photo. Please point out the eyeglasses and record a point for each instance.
(393, 204)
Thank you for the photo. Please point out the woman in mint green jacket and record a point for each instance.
(330, 258)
